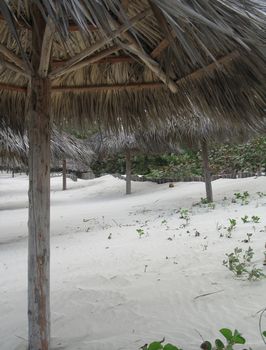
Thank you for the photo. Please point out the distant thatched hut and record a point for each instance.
(109, 144)
(65, 148)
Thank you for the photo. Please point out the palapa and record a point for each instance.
(110, 144)
(125, 62)
(14, 145)
(14, 149)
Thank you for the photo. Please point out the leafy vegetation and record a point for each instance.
(140, 232)
(240, 263)
(224, 159)
(232, 339)
(242, 197)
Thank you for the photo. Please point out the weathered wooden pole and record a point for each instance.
(207, 173)
(39, 188)
(64, 175)
(128, 172)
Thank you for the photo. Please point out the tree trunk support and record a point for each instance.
(207, 174)
(64, 175)
(39, 197)
(128, 172)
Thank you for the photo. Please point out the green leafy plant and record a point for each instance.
(240, 263)
(140, 232)
(184, 214)
(245, 219)
(231, 227)
(261, 194)
(243, 197)
(255, 219)
(247, 240)
(231, 338)
(204, 201)
(158, 345)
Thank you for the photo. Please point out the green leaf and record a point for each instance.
(219, 344)
(238, 339)
(264, 333)
(227, 333)
(155, 346)
(170, 347)
(206, 346)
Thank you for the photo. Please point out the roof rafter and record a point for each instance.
(98, 45)
(135, 48)
(91, 60)
(169, 34)
(199, 73)
(47, 44)
(13, 67)
(11, 56)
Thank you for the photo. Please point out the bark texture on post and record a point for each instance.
(207, 173)
(64, 175)
(39, 198)
(128, 172)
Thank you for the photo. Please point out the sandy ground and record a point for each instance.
(110, 289)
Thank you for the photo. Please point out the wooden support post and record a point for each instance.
(39, 196)
(64, 175)
(207, 174)
(128, 172)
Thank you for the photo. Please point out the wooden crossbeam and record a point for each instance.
(11, 56)
(91, 60)
(98, 45)
(107, 87)
(160, 48)
(149, 85)
(108, 59)
(18, 23)
(138, 51)
(168, 33)
(11, 87)
(13, 68)
(199, 73)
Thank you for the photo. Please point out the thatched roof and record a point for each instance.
(126, 62)
(14, 148)
(110, 144)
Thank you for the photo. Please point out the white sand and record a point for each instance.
(101, 298)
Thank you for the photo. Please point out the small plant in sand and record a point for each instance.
(255, 219)
(240, 263)
(140, 232)
(184, 214)
(231, 338)
(242, 197)
(231, 228)
(204, 203)
(261, 194)
(159, 345)
(247, 240)
(245, 219)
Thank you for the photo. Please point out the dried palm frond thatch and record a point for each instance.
(127, 64)
(14, 148)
